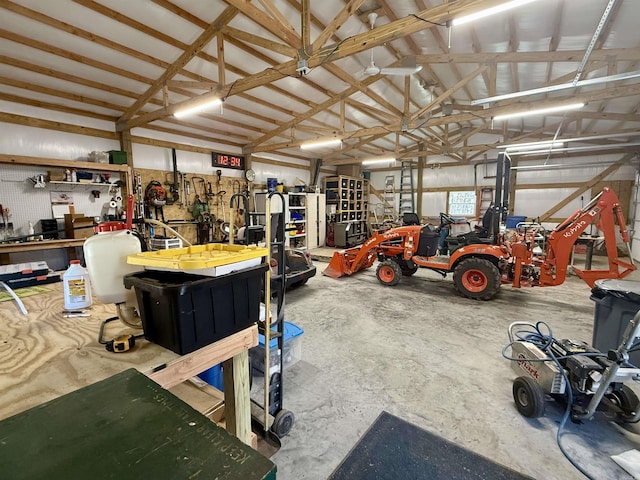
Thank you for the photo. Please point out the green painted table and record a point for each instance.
(124, 427)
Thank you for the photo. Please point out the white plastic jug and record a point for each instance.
(106, 256)
(77, 287)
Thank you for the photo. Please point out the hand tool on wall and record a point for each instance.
(174, 185)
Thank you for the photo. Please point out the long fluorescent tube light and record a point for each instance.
(540, 111)
(523, 147)
(197, 108)
(543, 143)
(375, 161)
(588, 148)
(554, 88)
(321, 143)
(489, 11)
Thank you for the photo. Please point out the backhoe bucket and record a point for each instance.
(337, 266)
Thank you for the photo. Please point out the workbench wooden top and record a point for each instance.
(44, 355)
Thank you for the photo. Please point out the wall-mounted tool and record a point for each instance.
(38, 181)
(174, 185)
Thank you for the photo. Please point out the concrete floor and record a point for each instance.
(431, 357)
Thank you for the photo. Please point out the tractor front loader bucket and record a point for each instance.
(337, 266)
(350, 261)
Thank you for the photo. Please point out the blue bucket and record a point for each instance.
(213, 377)
(272, 184)
(513, 221)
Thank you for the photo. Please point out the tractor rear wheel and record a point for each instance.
(406, 268)
(477, 278)
(529, 397)
(388, 273)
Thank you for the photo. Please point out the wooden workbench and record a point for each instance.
(44, 356)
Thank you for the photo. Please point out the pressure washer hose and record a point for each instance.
(164, 225)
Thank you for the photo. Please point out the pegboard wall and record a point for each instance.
(29, 204)
(207, 187)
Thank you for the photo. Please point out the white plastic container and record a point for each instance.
(77, 287)
(106, 256)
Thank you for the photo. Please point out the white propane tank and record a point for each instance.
(106, 257)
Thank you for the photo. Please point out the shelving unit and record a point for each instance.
(33, 204)
(64, 164)
(295, 214)
(350, 196)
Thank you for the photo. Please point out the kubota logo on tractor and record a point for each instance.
(571, 232)
(527, 367)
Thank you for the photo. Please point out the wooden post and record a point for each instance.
(236, 396)
(127, 146)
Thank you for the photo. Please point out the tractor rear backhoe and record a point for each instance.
(480, 266)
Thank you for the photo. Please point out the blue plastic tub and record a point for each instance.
(291, 350)
(513, 221)
(291, 331)
(213, 377)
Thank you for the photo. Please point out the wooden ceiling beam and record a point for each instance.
(573, 56)
(486, 114)
(448, 92)
(299, 99)
(54, 106)
(258, 41)
(345, 77)
(587, 185)
(173, 84)
(222, 77)
(203, 39)
(283, 31)
(445, 48)
(348, 47)
(334, 25)
(327, 159)
(117, 91)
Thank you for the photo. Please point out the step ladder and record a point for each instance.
(484, 201)
(406, 202)
(389, 197)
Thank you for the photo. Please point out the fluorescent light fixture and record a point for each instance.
(331, 142)
(587, 148)
(540, 111)
(197, 108)
(523, 147)
(374, 161)
(545, 143)
(489, 11)
(554, 88)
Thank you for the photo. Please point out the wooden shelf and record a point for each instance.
(44, 245)
(77, 164)
(89, 184)
(54, 162)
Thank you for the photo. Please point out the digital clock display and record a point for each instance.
(227, 161)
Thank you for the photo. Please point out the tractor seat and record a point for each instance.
(480, 234)
(410, 219)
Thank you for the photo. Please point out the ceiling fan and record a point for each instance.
(373, 69)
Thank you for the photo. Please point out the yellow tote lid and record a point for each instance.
(197, 256)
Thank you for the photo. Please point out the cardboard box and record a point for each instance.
(56, 175)
(76, 225)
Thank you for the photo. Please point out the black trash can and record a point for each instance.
(617, 301)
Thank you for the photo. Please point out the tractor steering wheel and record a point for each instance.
(446, 219)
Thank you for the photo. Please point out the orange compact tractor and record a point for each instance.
(482, 261)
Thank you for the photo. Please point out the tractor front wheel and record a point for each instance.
(388, 273)
(477, 278)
